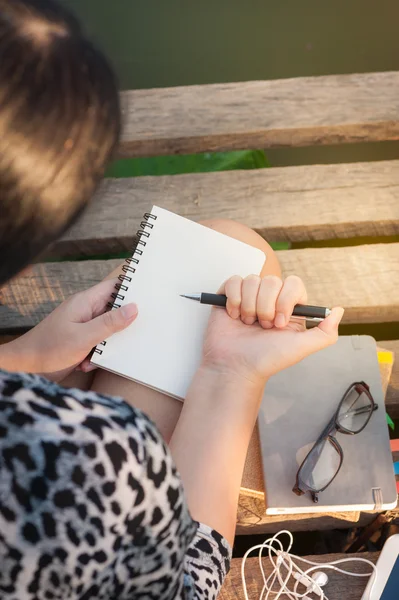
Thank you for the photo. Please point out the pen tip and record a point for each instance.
(191, 296)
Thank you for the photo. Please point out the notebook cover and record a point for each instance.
(297, 405)
(162, 348)
(252, 481)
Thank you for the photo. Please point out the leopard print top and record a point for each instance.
(91, 504)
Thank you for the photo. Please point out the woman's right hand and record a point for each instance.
(255, 338)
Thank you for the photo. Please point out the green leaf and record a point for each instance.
(188, 163)
(390, 422)
(280, 245)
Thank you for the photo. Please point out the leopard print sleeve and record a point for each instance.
(91, 504)
(207, 563)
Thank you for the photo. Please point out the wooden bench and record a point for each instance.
(295, 204)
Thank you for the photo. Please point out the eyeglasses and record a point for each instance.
(322, 464)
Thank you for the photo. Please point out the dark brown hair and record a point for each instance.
(59, 123)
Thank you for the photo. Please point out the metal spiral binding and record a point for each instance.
(128, 269)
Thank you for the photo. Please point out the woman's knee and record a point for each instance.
(248, 236)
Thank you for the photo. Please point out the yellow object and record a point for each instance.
(385, 358)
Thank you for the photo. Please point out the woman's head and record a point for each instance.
(59, 123)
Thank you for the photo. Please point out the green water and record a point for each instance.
(178, 42)
(154, 43)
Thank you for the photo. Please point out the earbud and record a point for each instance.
(313, 582)
(320, 578)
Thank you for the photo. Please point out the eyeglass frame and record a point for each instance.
(328, 434)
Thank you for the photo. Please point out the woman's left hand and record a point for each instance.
(64, 339)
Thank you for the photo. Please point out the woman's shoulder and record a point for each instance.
(26, 390)
(85, 479)
(49, 428)
(31, 405)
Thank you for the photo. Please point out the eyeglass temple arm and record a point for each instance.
(360, 411)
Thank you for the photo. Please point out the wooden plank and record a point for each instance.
(252, 519)
(339, 586)
(283, 204)
(392, 397)
(363, 279)
(27, 299)
(261, 114)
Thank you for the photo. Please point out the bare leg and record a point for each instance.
(78, 379)
(162, 409)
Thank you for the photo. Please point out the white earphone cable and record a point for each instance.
(282, 560)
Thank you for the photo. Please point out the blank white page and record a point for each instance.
(162, 347)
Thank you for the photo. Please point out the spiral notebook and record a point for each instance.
(297, 405)
(162, 348)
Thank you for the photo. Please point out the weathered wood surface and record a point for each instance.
(363, 279)
(339, 587)
(259, 114)
(252, 519)
(27, 299)
(283, 204)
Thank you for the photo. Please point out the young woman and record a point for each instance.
(91, 502)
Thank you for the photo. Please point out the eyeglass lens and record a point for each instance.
(355, 410)
(321, 465)
(324, 460)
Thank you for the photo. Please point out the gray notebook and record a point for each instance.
(297, 405)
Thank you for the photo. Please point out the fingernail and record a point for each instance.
(248, 320)
(266, 324)
(280, 321)
(234, 313)
(129, 311)
(337, 315)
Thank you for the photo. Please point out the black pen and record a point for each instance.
(300, 310)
